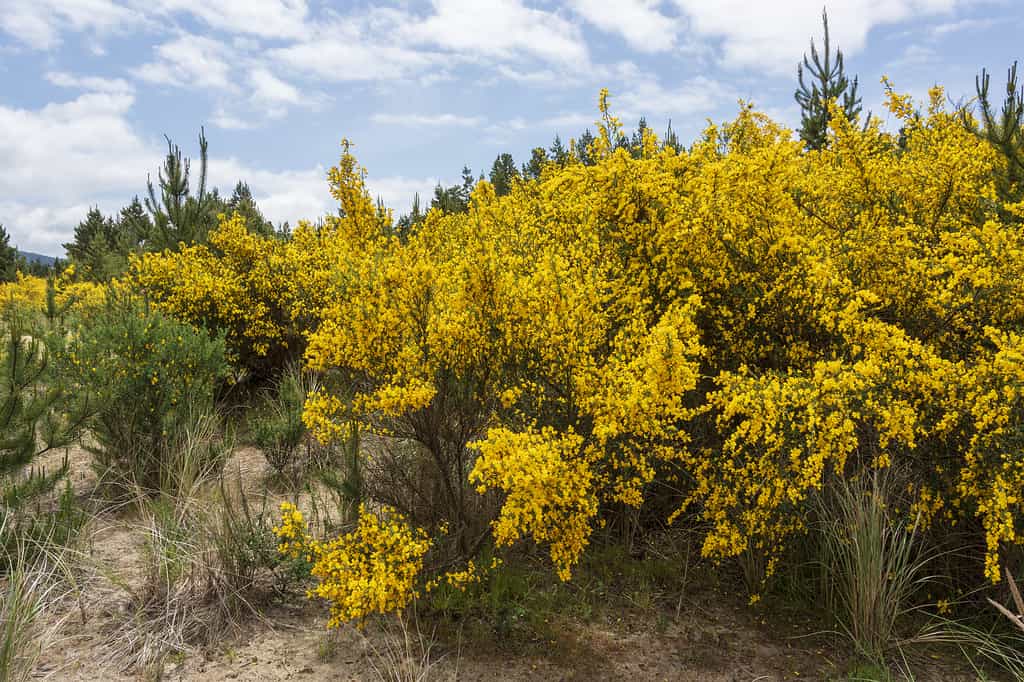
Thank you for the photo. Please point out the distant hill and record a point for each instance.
(36, 257)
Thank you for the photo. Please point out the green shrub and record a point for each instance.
(154, 378)
(277, 427)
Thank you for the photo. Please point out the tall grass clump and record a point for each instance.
(154, 380)
(404, 653)
(210, 562)
(873, 563)
(31, 587)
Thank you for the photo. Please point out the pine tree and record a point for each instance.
(178, 214)
(37, 414)
(468, 184)
(538, 159)
(828, 82)
(635, 145)
(1004, 130)
(8, 258)
(408, 223)
(583, 148)
(449, 199)
(242, 202)
(503, 174)
(671, 140)
(558, 153)
(454, 199)
(97, 251)
(134, 226)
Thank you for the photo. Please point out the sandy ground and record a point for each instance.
(714, 638)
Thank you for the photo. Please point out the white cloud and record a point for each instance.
(647, 96)
(774, 35)
(63, 158)
(962, 25)
(269, 88)
(397, 191)
(39, 24)
(427, 120)
(66, 157)
(63, 79)
(264, 18)
(71, 149)
(638, 22)
(190, 61)
(293, 195)
(347, 49)
(286, 195)
(43, 229)
(503, 29)
(228, 121)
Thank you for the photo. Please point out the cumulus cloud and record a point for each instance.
(773, 35)
(190, 61)
(500, 29)
(275, 19)
(40, 24)
(103, 161)
(64, 157)
(639, 22)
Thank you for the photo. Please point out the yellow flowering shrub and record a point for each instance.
(29, 293)
(235, 285)
(744, 320)
(26, 292)
(81, 295)
(375, 568)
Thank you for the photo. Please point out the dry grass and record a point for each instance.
(201, 558)
(34, 585)
(405, 653)
(1017, 619)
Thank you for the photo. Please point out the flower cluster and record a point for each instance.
(372, 569)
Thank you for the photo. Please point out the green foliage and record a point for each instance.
(538, 159)
(102, 245)
(242, 203)
(503, 174)
(408, 223)
(97, 250)
(583, 145)
(179, 215)
(154, 378)
(1003, 127)
(873, 564)
(828, 82)
(8, 258)
(345, 482)
(671, 139)
(454, 199)
(278, 429)
(37, 412)
(558, 153)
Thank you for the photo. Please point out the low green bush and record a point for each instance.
(154, 379)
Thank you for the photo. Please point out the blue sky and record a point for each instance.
(88, 88)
